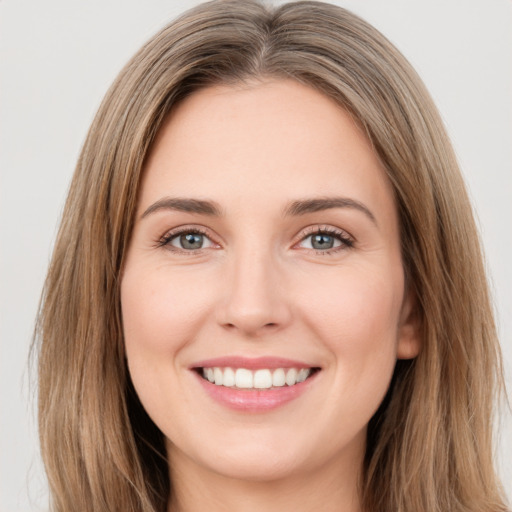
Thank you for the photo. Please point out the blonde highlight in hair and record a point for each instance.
(430, 444)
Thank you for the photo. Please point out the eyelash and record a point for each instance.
(346, 240)
(165, 240)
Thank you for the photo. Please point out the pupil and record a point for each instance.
(191, 241)
(322, 242)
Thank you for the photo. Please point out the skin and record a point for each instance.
(259, 288)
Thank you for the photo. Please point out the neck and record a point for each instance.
(329, 488)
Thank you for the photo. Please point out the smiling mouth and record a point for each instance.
(243, 378)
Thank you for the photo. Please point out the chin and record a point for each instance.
(258, 467)
(253, 460)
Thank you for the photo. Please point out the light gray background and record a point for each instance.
(59, 56)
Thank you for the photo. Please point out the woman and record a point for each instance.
(258, 297)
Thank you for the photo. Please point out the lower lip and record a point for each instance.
(255, 400)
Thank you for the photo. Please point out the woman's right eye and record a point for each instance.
(187, 241)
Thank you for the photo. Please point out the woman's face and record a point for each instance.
(265, 250)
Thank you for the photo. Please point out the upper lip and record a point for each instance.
(251, 363)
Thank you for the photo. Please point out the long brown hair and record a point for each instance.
(430, 444)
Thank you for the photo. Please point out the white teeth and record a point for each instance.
(302, 375)
(217, 374)
(243, 378)
(291, 376)
(259, 379)
(278, 378)
(262, 379)
(229, 377)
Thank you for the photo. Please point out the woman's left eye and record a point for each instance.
(325, 241)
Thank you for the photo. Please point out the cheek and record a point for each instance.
(160, 311)
(357, 319)
(161, 315)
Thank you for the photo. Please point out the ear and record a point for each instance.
(409, 338)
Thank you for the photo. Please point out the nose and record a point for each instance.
(254, 300)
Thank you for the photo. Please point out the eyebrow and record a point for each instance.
(181, 204)
(295, 208)
(305, 206)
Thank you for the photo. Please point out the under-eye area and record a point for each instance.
(264, 378)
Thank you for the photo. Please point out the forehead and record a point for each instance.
(277, 139)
